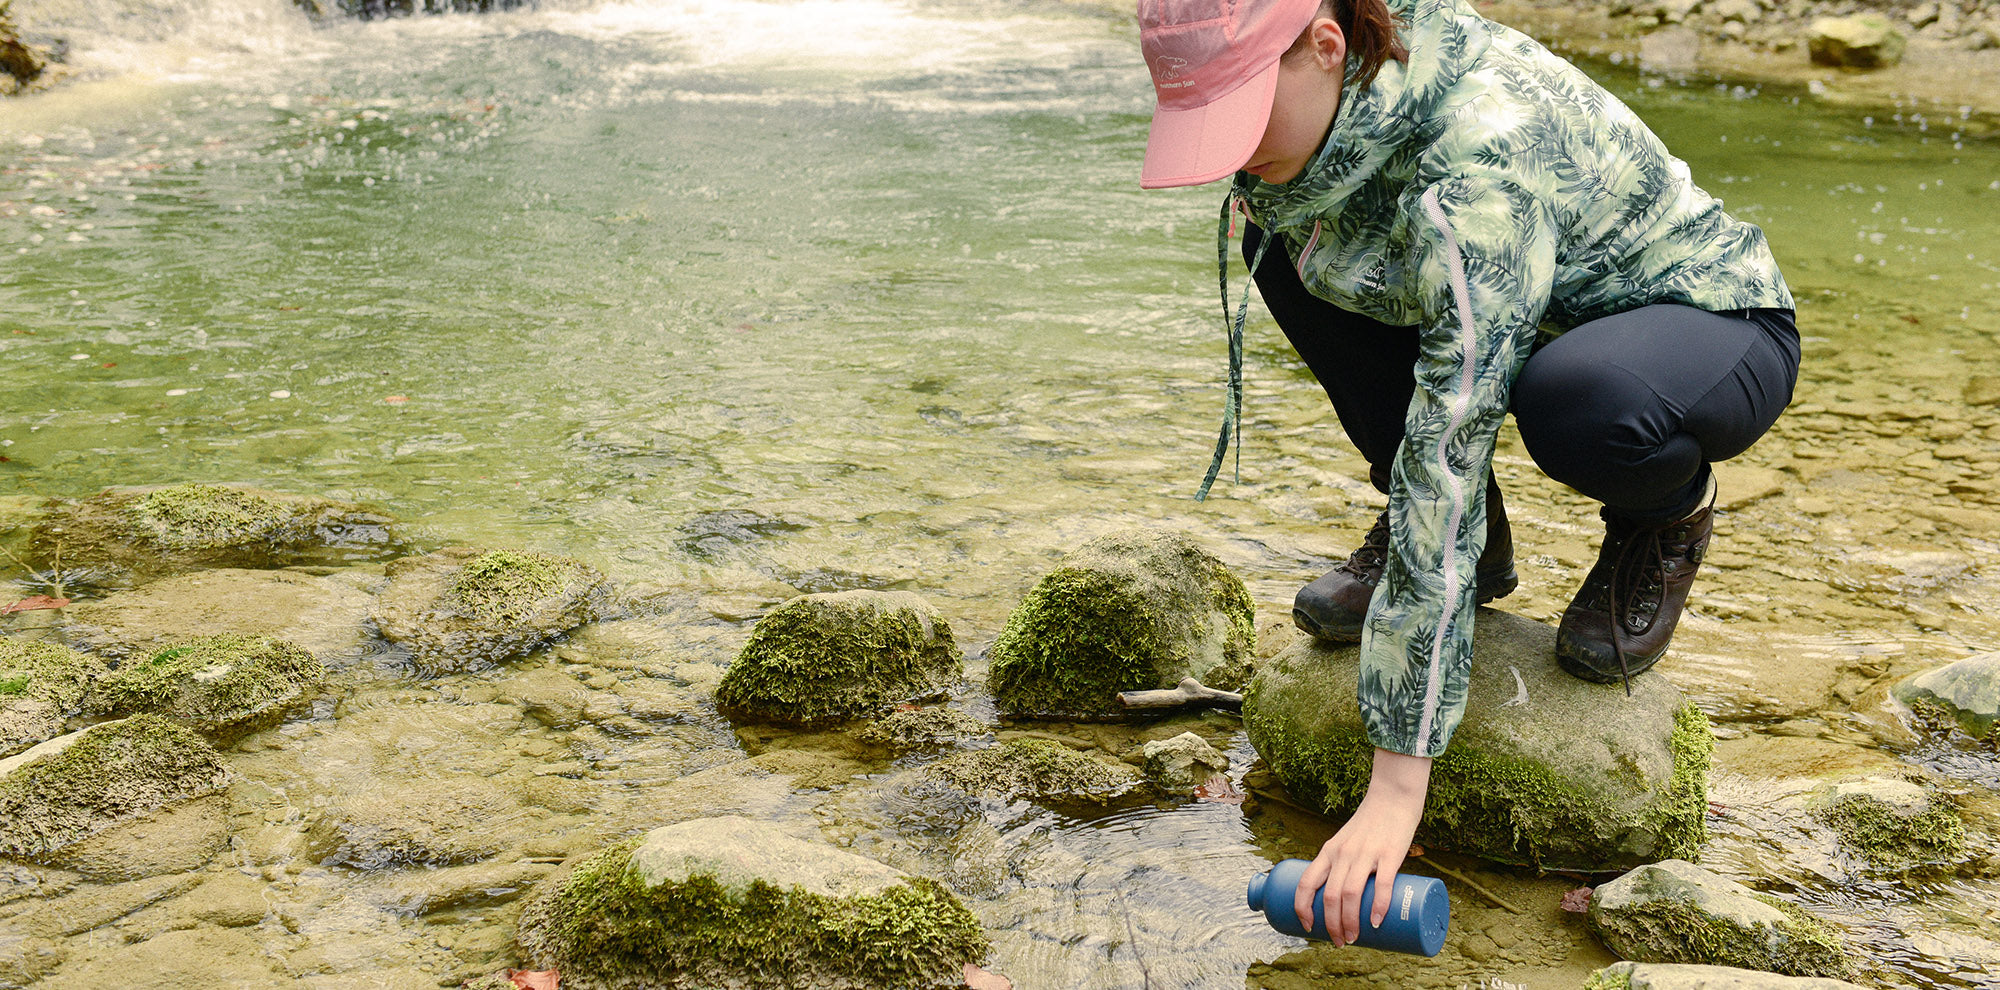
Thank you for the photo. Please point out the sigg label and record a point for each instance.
(1409, 890)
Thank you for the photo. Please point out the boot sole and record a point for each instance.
(1491, 588)
(1581, 665)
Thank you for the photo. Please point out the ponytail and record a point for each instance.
(1370, 27)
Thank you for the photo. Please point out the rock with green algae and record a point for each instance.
(1676, 912)
(1965, 692)
(223, 687)
(123, 535)
(1039, 770)
(733, 902)
(1124, 612)
(1892, 822)
(840, 655)
(326, 614)
(42, 686)
(466, 608)
(1863, 41)
(82, 783)
(929, 727)
(1630, 975)
(1182, 763)
(1544, 769)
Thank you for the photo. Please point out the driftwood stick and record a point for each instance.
(1497, 900)
(1188, 693)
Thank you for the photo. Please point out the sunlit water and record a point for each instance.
(737, 299)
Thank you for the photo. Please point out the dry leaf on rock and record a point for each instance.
(535, 979)
(1578, 900)
(1218, 790)
(979, 979)
(33, 603)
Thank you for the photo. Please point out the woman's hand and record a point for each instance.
(1374, 840)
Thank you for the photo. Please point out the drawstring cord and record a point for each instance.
(1233, 408)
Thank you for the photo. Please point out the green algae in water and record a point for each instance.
(202, 517)
(505, 586)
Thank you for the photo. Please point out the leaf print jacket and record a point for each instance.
(1483, 193)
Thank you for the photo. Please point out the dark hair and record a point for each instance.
(1370, 28)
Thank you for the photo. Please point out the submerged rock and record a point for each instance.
(1892, 822)
(419, 822)
(734, 902)
(463, 608)
(1672, 976)
(1676, 912)
(82, 783)
(123, 535)
(1864, 41)
(1183, 763)
(326, 616)
(42, 686)
(1545, 769)
(1966, 692)
(175, 839)
(840, 655)
(223, 687)
(1035, 770)
(922, 728)
(1124, 612)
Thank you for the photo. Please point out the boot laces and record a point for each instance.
(1638, 580)
(1366, 562)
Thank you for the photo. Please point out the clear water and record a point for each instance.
(856, 293)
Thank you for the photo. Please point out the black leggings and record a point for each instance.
(1629, 409)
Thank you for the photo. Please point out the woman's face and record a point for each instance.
(1302, 110)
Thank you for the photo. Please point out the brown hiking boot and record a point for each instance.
(1621, 620)
(1334, 606)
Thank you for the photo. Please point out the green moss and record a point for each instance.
(827, 658)
(1035, 769)
(1673, 931)
(111, 773)
(1887, 838)
(13, 684)
(507, 585)
(48, 672)
(207, 516)
(921, 728)
(604, 926)
(221, 685)
(1605, 979)
(1943, 720)
(1510, 810)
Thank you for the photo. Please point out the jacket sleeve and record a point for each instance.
(1484, 252)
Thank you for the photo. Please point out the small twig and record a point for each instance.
(1188, 692)
(1497, 900)
(1132, 935)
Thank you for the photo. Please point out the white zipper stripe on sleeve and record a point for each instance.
(1311, 243)
(1460, 406)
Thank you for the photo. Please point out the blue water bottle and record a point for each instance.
(1419, 913)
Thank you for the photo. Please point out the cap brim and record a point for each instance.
(1203, 144)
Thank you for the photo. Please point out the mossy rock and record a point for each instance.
(1577, 776)
(930, 727)
(1039, 770)
(223, 687)
(42, 687)
(84, 782)
(326, 615)
(1182, 763)
(1676, 912)
(467, 608)
(732, 902)
(124, 535)
(1124, 612)
(1863, 41)
(1679, 976)
(840, 655)
(1964, 694)
(1891, 822)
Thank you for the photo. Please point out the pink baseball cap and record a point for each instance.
(1215, 68)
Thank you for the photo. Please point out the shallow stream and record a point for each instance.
(736, 300)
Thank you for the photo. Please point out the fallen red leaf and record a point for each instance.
(1416, 850)
(1578, 900)
(31, 604)
(979, 979)
(535, 979)
(1218, 790)
(396, 400)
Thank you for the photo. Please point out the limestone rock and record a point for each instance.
(735, 902)
(42, 686)
(1670, 976)
(195, 957)
(179, 838)
(1181, 764)
(76, 785)
(1676, 912)
(922, 728)
(22, 63)
(1892, 822)
(463, 608)
(324, 615)
(123, 535)
(1124, 612)
(423, 822)
(1966, 691)
(1984, 390)
(840, 655)
(223, 687)
(1738, 485)
(1864, 41)
(1034, 770)
(1545, 769)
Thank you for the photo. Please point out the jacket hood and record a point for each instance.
(1372, 125)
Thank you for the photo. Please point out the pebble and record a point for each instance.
(281, 394)
(1812, 505)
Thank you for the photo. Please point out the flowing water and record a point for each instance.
(739, 299)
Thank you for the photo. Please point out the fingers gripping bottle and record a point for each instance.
(1419, 912)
